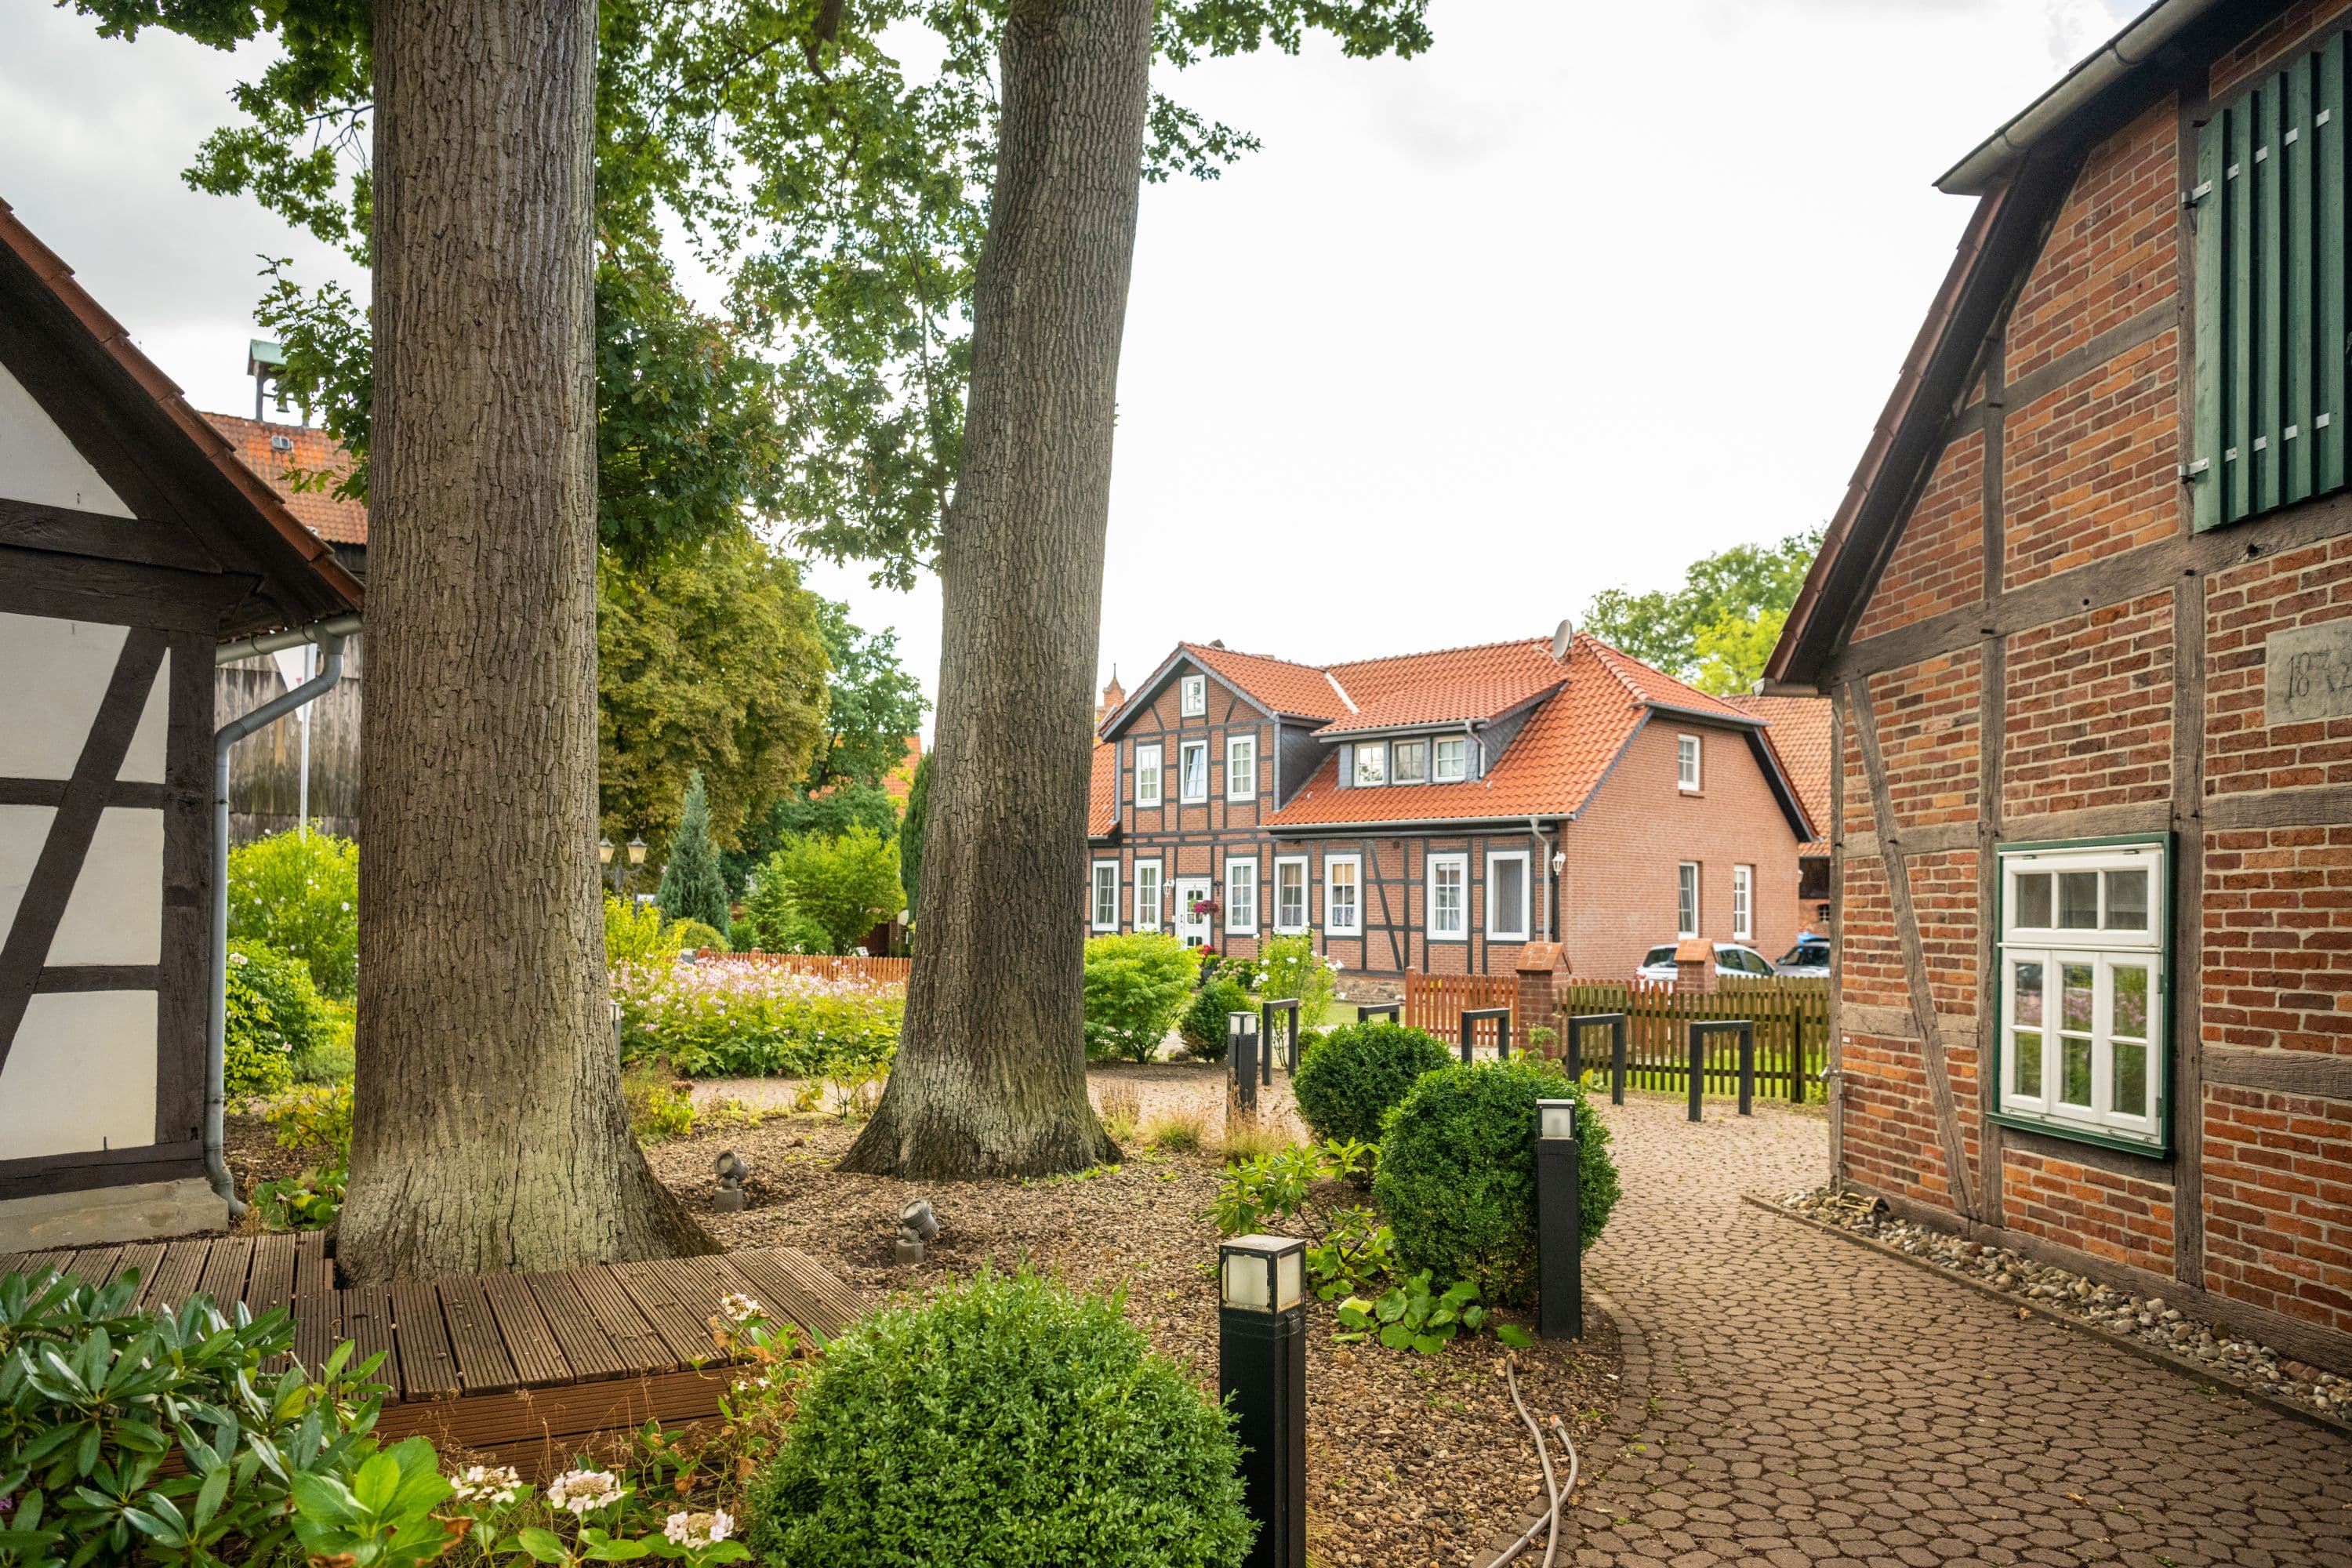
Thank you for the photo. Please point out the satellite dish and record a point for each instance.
(1560, 640)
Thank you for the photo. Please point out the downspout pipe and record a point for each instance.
(1543, 872)
(331, 671)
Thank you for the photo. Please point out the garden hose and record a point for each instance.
(1550, 1520)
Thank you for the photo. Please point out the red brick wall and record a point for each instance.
(2278, 939)
(2089, 709)
(2123, 1219)
(1938, 562)
(1618, 890)
(2243, 605)
(1871, 966)
(2091, 469)
(1928, 727)
(2278, 1203)
(1888, 1118)
(2293, 28)
(2113, 251)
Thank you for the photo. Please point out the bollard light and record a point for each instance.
(1262, 1374)
(1241, 1063)
(1559, 1231)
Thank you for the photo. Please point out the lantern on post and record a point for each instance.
(1560, 1239)
(1262, 1374)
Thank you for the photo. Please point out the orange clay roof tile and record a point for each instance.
(1800, 737)
(320, 511)
(1102, 792)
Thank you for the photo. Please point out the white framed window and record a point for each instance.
(1289, 894)
(1449, 898)
(1241, 767)
(1743, 903)
(2083, 941)
(1192, 771)
(1192, 696)
(1412, 761)
(1343, 895)
(1449, 758)
(1686, 898)
(1241, 897)
(1686, 761)
(1105, 899)
(1507, 895)
(1372, 763)
(1147, 895)
(1147, 774)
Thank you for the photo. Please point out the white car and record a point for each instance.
(1809, 960)
(1730, 958)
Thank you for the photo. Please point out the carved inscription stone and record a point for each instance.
(2310, 674)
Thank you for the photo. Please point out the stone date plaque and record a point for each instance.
(2309, 673)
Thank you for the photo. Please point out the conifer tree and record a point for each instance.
(691, 886)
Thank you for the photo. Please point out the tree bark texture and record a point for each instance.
(490, 1131)
(991, 1072)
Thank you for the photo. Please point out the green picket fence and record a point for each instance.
(1793, 1035)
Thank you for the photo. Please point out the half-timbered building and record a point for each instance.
(2085, 612)
(133, 543)
(1436, 812)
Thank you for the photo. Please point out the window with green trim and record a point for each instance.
(2082, 951)
(2269, 205)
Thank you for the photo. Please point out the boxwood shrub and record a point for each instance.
(1457, 1173)
(1204, 1024)
(1351, 1077)
(1006, 1421)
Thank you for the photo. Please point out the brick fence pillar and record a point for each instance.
(1543, 981)
(1694, 966)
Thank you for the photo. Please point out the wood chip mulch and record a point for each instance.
(1410, 1459)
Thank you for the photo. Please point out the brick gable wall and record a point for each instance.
(2089, 719)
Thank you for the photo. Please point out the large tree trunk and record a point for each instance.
(991, 1075)
(490, 1130)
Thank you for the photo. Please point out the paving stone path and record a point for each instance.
(1799, 1400)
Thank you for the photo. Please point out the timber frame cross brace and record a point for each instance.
(1915, 958)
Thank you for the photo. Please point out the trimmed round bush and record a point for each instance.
(1348, 1080)
(693, 936)
(1008, 1422)
(1457, 1173)
(1204, 1024)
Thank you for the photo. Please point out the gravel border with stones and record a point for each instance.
(2148, 1326)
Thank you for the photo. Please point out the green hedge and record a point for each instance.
(1349, 1078)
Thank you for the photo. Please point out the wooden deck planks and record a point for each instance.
(175, 1276)
(634, 1338)
(428, 1368)
(792, 1286)
(318, 1306)
(483, 1364)
(666, 1297)
(367, 1312)
(539, 1358)
(140, 1261)
(224, 1271)
(94, 1265)
(587, 1345)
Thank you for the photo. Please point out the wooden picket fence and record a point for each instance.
(1792, 1034)
(824, 966)
(1436, 1003)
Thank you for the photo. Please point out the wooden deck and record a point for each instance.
(517, 1366)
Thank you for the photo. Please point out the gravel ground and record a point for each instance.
(1410, 1459)
(2152, 1320)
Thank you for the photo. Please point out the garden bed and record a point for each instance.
(1412, 1459)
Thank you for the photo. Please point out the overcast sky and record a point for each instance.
(1586, 291)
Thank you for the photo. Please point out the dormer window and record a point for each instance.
(1192, 696)
(1372, 763)
(1412, 761)
(1450, 759)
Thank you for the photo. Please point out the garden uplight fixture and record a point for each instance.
(1560, 1239)
(1262, 1376)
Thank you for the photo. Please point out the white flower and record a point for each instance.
(237, 958)
(740, 1309)
(481, 1483)
(698, 1529)
(582, 1491)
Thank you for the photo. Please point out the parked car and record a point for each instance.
(1730, 958)
(1809, 960)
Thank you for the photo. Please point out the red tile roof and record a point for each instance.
(312, 451)
(1799, 736)
(1296, 690)
(1102, 792)
(1448, 702)
(1552, 766)
(1369, 679)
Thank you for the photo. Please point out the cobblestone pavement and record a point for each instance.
(1795, 1399)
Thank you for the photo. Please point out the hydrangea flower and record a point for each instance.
(699, 1529)
(482, 1483)
(583, 1491)
(740, 1309)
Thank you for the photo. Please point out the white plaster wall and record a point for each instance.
(116, 912)
(81, 1075)
(40, 464)
(23, 829)
(53, 675)
(143, 763)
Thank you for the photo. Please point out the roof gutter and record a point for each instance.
(1999, 154)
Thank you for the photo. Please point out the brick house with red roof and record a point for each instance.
(2085, 612)
(1437, 811)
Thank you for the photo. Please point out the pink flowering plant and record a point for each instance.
(718, 1019)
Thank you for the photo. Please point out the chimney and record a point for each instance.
(1112, 695)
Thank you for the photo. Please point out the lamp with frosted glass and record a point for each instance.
(1560, 1240)
(1262, 1374)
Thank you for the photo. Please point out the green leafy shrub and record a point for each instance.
(693, 936)
(1135, 987)
(754, 1020)
(659, 1109)
(300, 895)
(1412, 1315)
(274, 1019)
(94, 1397)
(1457, 1173)
(635, 933)
(317, 1119)
(1348, 1081)
(774, 918)
(1006, 1421)
(1204, 1024)
(313, 1117)
(1356, 1251)
(844, 885)
(1289, 966)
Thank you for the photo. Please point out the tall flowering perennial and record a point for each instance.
(717, 1019)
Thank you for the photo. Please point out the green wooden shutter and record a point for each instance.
(2269, 207)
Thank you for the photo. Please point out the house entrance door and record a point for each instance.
(1192, 929)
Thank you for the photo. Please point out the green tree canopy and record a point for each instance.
(692, 887)
(798, 814)
(873, 705)
(1717, 629)
(710, 660)
(910, 831)
(848, 886)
